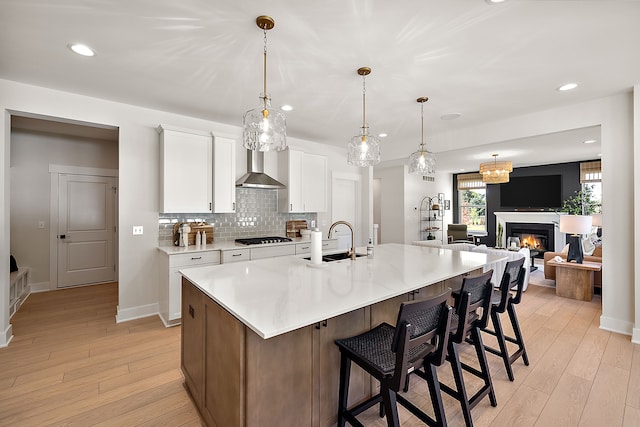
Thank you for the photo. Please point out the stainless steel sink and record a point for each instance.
(337, 256)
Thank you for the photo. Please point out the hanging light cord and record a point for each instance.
(265, 112)
(422, 128)
(364, 120)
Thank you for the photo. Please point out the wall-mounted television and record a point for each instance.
(532, 192)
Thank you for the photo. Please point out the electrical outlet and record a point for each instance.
(137, 230)
(41, 224)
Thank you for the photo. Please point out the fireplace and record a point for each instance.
(535, 236)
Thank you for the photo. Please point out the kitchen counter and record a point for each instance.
(279, 295)
(258, 337)
(226, 246)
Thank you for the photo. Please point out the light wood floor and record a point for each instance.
(71, 364)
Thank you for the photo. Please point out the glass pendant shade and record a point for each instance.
(363, 150)
(263, 128)
(495, 172)
(422, 162)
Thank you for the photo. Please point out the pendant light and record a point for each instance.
(264, 129)
(364, 149)
(495, 172)
(422, 162)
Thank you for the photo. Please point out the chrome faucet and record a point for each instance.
(352, 251)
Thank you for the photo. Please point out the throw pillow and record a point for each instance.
(479, 248)
(587, 246)
(565, 250)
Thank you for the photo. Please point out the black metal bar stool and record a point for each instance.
(466, 323)
(390, 354)
(503, 299)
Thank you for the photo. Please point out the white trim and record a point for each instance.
(6, 336)
(54, 175)
(616, 325)
(81, 170)
(41, 287)
(126, 314)
(635, 336)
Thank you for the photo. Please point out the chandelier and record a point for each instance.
(264, 129)
(422, 162)
(495, 172)
(363, 149)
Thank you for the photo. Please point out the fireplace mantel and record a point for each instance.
(531, 217)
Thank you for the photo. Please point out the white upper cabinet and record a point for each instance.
(186, 170)
(224, 168)
(305, 176)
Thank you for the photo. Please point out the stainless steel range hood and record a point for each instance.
(255, 176)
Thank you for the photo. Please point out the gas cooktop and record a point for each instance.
(262, 240)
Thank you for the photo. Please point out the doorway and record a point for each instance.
(345, 206)
(85, 230)
(40, 148)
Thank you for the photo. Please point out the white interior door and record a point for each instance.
(345, 202)
(86, 229)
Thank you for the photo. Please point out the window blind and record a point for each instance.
(590, 172)
(470, 181)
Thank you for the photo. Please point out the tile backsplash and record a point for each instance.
(256, 215)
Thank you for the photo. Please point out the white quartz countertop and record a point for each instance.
(226, 246)
(278, 295)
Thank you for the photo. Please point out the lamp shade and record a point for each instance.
(596, 220)
(575, 224)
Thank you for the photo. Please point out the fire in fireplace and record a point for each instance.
(535, 236)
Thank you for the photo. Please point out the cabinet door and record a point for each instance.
(192, 357)
(290, 174)
(186, 171)
(224, 175)
(328, 365)
(314, 183)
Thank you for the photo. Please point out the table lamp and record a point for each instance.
(575, 225)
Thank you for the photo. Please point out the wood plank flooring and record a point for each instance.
(70, 364)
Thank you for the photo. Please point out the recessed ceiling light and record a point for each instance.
(462, 170)
(589, 141)
(382, 135)
(286, 107)
(568, 86)
(81, 49)
(494, 1)
(450, 116)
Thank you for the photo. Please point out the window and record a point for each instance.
(472, 202)
(473, 210)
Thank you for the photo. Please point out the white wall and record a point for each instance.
(31, 155)
(392, 203)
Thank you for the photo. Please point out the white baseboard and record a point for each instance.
(635, 337)
(124, 315)
(40, 287)
(6, 336)
(616, 325)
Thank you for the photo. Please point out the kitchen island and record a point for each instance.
(258, 336)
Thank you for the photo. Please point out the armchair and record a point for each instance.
(457, 233)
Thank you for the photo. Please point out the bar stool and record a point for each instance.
(503, 299)
(390, 354)
(474, 295)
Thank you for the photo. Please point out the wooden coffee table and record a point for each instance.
(575, 280)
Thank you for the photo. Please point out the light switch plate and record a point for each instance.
(137, 230)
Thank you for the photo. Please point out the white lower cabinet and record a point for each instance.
(170, 304)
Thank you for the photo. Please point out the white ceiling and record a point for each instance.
(204, 59)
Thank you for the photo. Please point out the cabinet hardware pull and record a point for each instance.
(290, 206)
(234, 206)
(305, 247)
(191, 311)
(210, 206)
(318, 325)
(236, 255)
(196, 257)
(324, 323)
